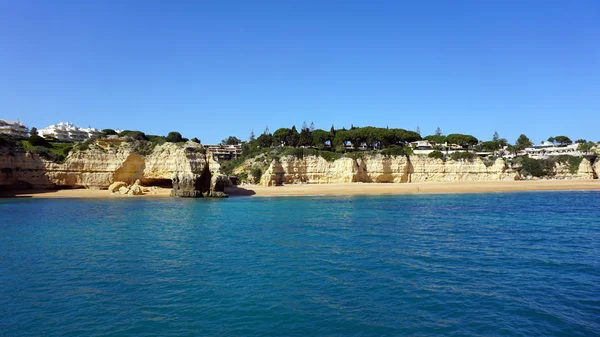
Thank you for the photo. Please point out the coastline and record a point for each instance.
(80, 193)
(414, 188)
(340, 189)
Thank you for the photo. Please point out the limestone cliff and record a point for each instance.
(185, 168)
(382, 169)
(312, 169)
(417, 168)
(563, 171)
(423, 168)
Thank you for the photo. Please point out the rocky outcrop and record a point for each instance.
(23, 170)
(121, 187)
(423, 168)
(185, 168)
(417, 168)
(564, 171)
(116, 186)
(596, 168)
(382, 169)
(311, 169)
(94, 169)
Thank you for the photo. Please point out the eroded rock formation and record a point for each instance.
(585, 171)
(185, 168)
(382, 169)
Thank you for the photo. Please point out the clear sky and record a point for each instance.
(210, 69)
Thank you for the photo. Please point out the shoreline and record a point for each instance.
(459, 187)
(341, 189)
(79, 193)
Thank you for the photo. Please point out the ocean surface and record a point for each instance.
(499, 264)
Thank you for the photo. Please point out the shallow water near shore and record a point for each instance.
(505, 264)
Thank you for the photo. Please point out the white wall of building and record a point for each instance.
(13, 128)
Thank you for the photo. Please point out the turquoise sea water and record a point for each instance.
(506, 264)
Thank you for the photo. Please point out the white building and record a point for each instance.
(422, 145)
(13, 128)
(548, 149)
(68, 132)
(225, 151)
(92, 132)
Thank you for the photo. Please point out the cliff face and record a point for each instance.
(315, 170)
(423, 168)
(585, 171)
(381, 169)
(184, 168)
(22, 170)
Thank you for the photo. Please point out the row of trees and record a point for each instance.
(172, 137)
(371, 137)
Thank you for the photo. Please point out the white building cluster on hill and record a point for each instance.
(68, 132)
(13, 128)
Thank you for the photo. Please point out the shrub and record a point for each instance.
(158, 140)
(463, 156)
(396, 151)
(354, 155)
(10, 142)
(301, 153)
(243, 176)
(196, 150)
(489, 161)
(256, 172)
(298, 152)
(85, 145)
(57, 152)
(143, 148)
(36, 140)
(139, 135)
(174, 137)
(109, 132)
(536, 168)
(436, 154)
(572, 161)
(330, 156)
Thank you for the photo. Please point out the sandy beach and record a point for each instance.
(80, 193)
(339, 189)
(414, 188)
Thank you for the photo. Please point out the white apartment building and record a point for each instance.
(13, 128)
(225, 151)
(68, 132)
(547, 149)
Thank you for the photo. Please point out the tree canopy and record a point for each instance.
(265, 140)
(231, 140)
(463, 140)
(562, 140)
(438, 139)
(174, 137)
(586, 146)
(523, 142)
(109, 132)
(139, 135)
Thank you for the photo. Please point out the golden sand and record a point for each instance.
(80, 193)
(342, 189)
(415, 188)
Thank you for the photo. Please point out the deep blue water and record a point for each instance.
(506, 264)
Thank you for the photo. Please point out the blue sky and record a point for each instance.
(219, 68)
